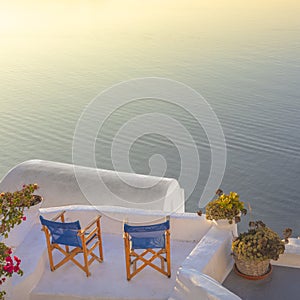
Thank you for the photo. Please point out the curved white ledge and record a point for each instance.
(192, 284)
(59, 185)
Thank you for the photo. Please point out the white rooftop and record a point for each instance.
(195, 247)
(200, 249)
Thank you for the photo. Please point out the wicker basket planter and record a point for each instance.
(253, 250)
(253, 267)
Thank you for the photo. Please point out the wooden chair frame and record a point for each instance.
(86, 239)
(132, 257)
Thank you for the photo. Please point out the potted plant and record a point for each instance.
(12, 206)
(225, 207)
(253, 250)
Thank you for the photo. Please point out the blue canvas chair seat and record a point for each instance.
(147, 238)
(63, 233)
(71, 235)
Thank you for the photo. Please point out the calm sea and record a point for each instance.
(243, 57)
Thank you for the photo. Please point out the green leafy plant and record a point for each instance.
(12, 207)
(259, 243)
(225, 207)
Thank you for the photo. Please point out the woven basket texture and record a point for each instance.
(252, 267)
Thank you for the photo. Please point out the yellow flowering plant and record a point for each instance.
(225, 207)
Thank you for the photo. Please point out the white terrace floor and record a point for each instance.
(108, 279)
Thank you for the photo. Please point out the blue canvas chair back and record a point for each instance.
(148, 236)
(63, 233)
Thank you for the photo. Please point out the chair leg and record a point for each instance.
(168, 255)
(134, 265)
(49, 248)
(85, 257)
(51, 259)
(127, 256)
(100, 240)
(149, 262)
(162, 263)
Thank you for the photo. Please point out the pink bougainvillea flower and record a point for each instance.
(16, 268)
(9, 268)
(8, 259)
(17, 259)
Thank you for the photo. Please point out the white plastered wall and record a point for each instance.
(65, 184)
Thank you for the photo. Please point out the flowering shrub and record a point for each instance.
(12, 213)
(259, 243)
(225, 207)
(8, 265)
(12, 207)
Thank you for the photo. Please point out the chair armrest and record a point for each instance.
(94, 221)
(59, 215)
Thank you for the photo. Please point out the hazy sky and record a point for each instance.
(65, 17)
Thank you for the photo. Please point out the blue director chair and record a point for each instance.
(71, 235)
(140, 242)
